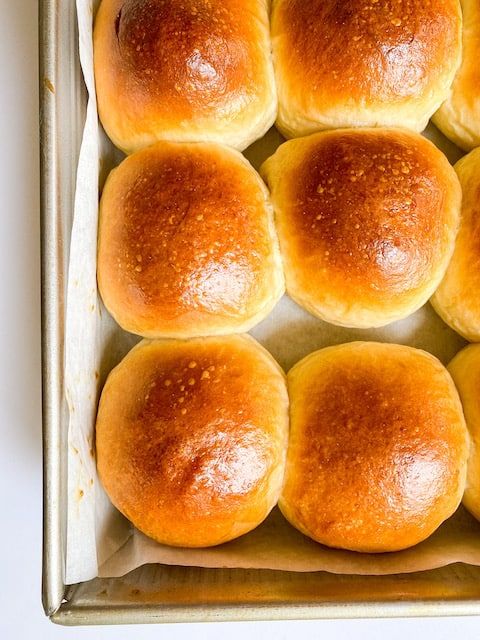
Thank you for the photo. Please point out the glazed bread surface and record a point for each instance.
(366, 219)
(191, 438)
(187, 244)
(378, 447)
(457, 299)
(184, 70)
(363, 62)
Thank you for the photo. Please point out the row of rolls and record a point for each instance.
(364, 446)
(225, 71)
(364, 226)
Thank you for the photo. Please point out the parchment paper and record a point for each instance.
(99, 540)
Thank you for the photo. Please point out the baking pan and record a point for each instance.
(155, 593)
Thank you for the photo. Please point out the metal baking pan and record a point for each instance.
(157, 593)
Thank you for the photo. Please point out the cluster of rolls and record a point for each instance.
(199, 434)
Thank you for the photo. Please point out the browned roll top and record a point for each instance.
(363, 62)
(361, 199)
(378, 446)
(366, 219)
(186, 243)
(183, 70)
(191, 438)
(378, 50)
(187, 54)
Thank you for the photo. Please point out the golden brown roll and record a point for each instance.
(187, 244)
(465, 371)
(366, 219)
(363, 62)
(191, 438)
(457, 299)
(459, 116)
(184, 70)
(378, 447)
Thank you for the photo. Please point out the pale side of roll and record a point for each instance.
(465, 371)
(457, 299)
(459, 116)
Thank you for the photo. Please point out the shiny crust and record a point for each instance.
(191, 438)
(459, 116)
(378, 447)
(457, 299)
(363, 62)
(184, 70)
(465, 371)
(187, 244)
(366, 220)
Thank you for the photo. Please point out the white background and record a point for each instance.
(21, 615)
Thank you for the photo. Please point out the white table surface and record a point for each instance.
(21, 615)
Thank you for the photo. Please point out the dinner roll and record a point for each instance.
(459, 116)
(378, 447)
(457, 299)
(191, 438)
(366, 220)
(187, 243)
(363, 62)
(184, 70)
(465, 371)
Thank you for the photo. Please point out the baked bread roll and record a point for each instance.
(363, 63)
(378, 447)
(459, 116)
(457, 299)
(191, 438)
(366, 219)
(184, 70)
(465, 371)
(187, 244)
